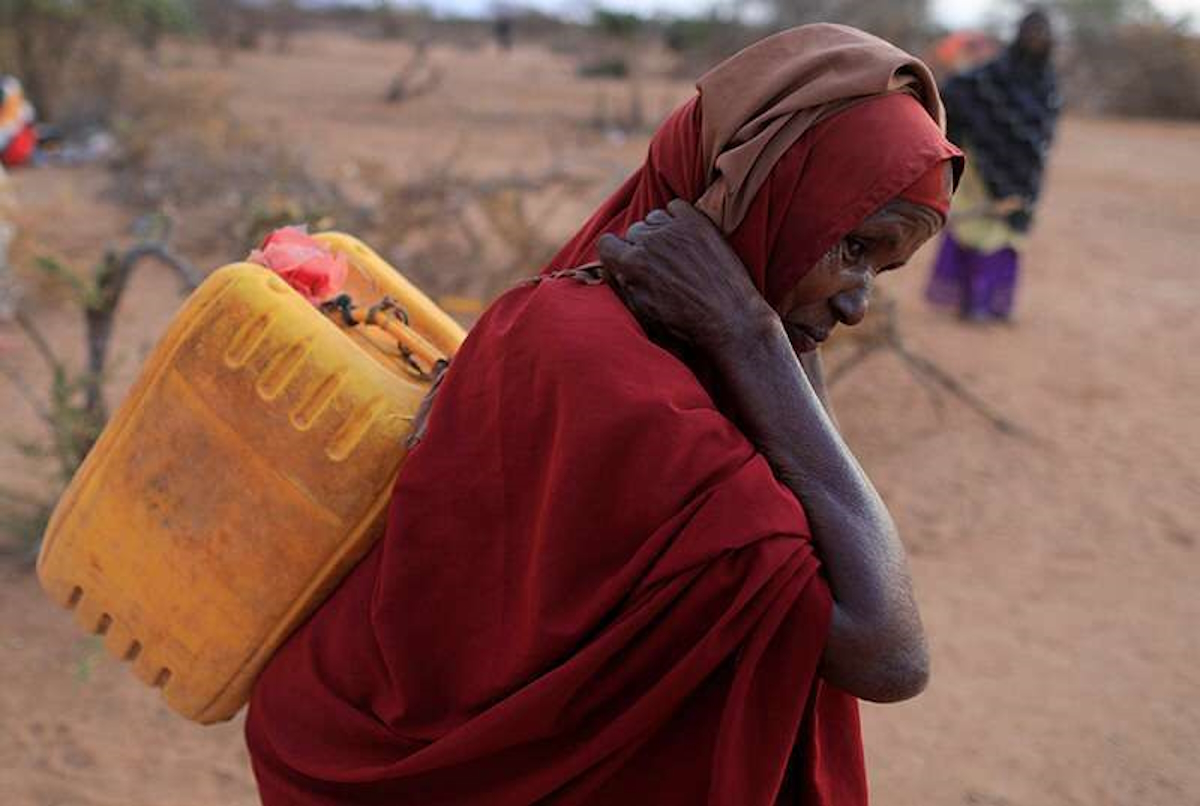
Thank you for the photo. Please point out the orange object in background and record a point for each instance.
(249, 468)
(961, 51)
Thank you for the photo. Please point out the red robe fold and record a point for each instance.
(611, 601)
(592, 589)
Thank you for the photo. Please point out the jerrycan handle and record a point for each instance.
(419, 356)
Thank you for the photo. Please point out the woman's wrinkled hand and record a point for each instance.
(678, 276)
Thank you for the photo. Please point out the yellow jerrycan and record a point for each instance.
(247, 471)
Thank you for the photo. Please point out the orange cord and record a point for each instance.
(424, 354)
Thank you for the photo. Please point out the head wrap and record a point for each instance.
(788, 147)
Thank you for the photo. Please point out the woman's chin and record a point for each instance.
(801, 341)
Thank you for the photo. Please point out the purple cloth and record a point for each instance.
(977, 285)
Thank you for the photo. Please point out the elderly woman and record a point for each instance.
(631, 561)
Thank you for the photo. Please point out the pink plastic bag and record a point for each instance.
(305, 263)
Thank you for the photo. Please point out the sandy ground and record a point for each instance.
(1057, 575)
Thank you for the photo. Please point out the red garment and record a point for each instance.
(592, 589)
(20, 148)
(931, 190)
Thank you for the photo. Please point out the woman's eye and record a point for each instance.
(856, 248)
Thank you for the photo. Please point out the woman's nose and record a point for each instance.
(851, 306)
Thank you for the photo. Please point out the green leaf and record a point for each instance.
(85, 292)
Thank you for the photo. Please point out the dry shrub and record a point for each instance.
(701, 42)
(72, 86)
(417, 24)
(604, 67)
(416, 77)
(91, 86)
(455, 235)
(527, 24)
(1148, 70)
(231, 25)
(396, 23)
(903, 22)
(72, 411)
(70, 55)
(224, 180)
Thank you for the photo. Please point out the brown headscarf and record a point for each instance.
(755, 105)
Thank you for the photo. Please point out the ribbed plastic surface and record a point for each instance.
(247, 471)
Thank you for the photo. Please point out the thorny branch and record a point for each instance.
(887, 336)
(76, 428)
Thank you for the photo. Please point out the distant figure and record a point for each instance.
(1003, 116)
(18, 137)
(502, 31)
(18, 142)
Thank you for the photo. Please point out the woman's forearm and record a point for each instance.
(876, 647)
(680, 277)
(814, 369)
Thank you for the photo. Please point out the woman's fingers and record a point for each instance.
(653, 220)
(638, 231)
(613, 250)
(681, 209)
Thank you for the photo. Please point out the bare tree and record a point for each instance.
(75, 409)
(1128, 57)
(42, 40)
(415, 77)
(903, 22)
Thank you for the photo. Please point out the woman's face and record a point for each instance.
(1035, 37)
(837, 290)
